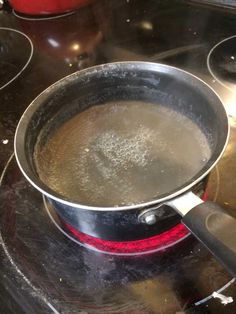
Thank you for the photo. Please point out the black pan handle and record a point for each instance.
(215, 228)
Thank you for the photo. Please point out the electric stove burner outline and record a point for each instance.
(221, 62)
(7, 64)
(40, 18)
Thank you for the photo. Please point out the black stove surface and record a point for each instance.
(41, 270)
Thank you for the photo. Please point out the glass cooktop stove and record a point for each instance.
(47, 267)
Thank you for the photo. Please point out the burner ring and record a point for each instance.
(29, 59)
(213, 71)
(23, 17)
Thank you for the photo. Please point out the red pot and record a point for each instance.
(39, 7)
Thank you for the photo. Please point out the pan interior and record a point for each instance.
(121, 153)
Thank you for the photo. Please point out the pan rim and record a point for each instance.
(48, 192)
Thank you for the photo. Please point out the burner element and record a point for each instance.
(16, 50)
(221, 62)
(149, 245)
(153, 244)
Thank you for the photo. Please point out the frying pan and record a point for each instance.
(165, 88)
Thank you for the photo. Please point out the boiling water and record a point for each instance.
(121, 153)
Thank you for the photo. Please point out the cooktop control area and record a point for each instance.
(47, 266)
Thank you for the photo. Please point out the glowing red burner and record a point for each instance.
(155, 243)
